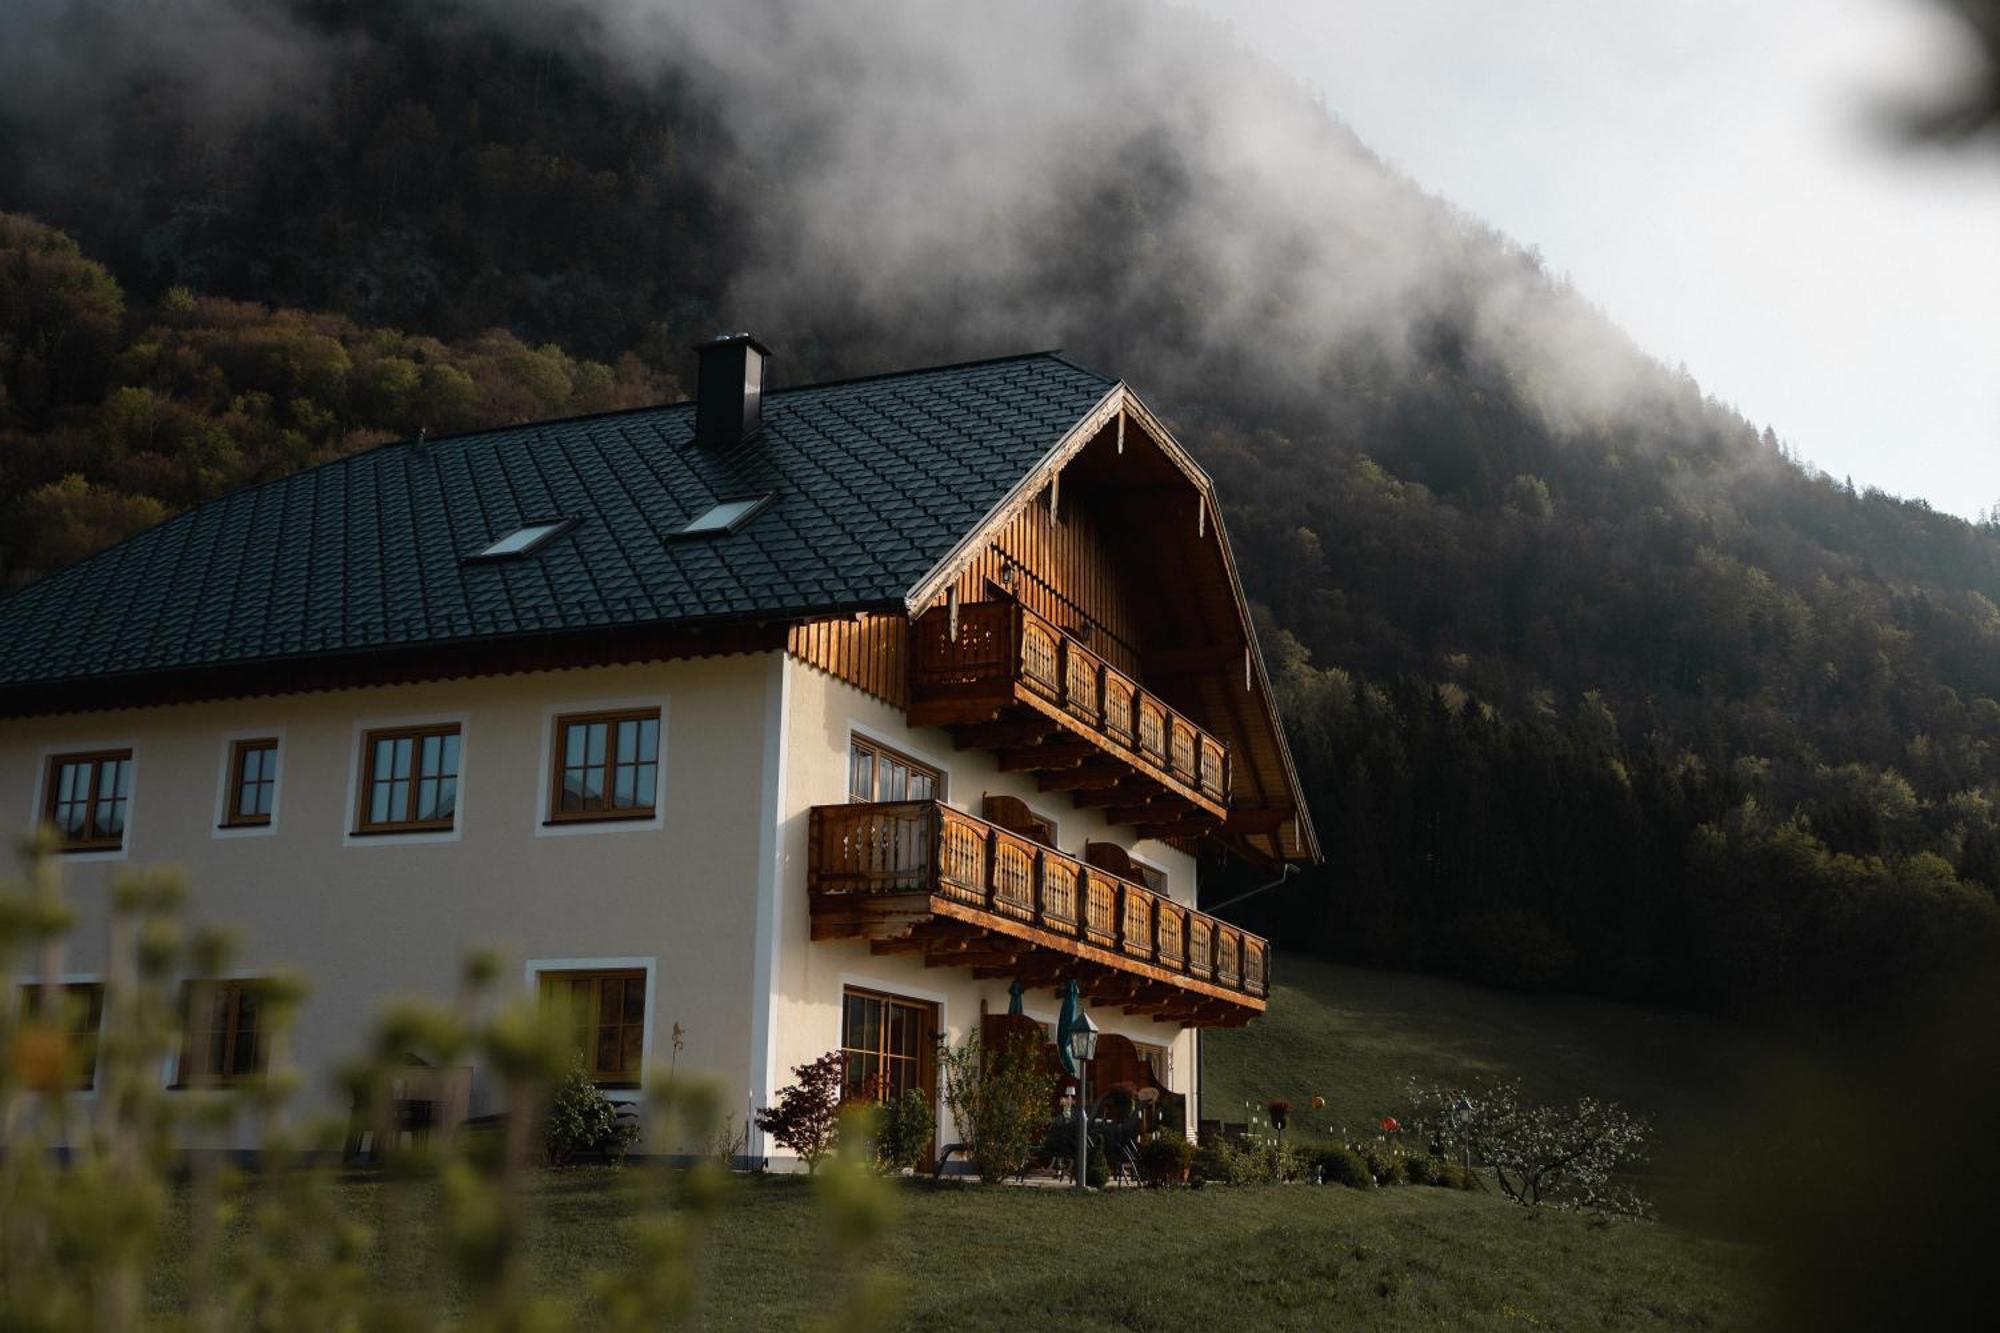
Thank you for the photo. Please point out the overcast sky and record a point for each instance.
(1712, 173)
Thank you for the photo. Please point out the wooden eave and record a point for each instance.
(399, 664)
(1273, 798)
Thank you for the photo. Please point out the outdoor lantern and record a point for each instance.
(1083, 1040)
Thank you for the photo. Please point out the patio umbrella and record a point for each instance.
(1070, 1017)
(1014, 998)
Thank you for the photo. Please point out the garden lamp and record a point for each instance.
(1082, 1049)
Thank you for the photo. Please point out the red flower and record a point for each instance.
(1390, 1125)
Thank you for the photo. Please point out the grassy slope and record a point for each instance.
(1272, 1257)
(1356, 1037)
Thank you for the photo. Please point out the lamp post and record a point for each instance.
(1082, 1049)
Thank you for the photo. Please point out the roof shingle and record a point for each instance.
(874, 481)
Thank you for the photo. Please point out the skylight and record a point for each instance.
(522, 540)
(724, 516)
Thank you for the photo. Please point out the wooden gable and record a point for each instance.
(1115, 539)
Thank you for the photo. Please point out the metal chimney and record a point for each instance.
(729, 390)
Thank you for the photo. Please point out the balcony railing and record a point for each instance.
(1004, 653)
(924, 847)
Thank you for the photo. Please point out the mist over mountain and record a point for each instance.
(1592, 685)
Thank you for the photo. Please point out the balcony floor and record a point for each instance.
(952, 934)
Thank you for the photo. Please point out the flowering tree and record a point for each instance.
(807, 1116)
(1560, 1156)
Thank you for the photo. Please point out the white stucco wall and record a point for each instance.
(711, 898)
(367, 918)
(824, 713)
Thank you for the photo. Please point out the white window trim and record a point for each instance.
(123, 850)
(225, 792)
(170, 1067)
(902, 743)
(24, 981)
(545, 774)
(531, 974)
(348, 836)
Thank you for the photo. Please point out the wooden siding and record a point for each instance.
(1067, 575)
(871, 653)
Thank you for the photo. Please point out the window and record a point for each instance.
(225, 1040)
(409, 780)
(888, 1045)
(877, 773)
(724, 516)
(607, 766)
(253, 783)
(82, 1015)
(607, 1013)
(522, 540)
(87, 799)
(1152, 877)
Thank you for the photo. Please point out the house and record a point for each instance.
(762, 725)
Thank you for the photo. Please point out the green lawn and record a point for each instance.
(1356, 1037)
(1269, 1257)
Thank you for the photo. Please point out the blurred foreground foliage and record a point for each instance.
(88, 1184)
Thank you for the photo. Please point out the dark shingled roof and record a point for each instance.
(875, 481)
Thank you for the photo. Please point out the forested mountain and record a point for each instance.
(1592, 684)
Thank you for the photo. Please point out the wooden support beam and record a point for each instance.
(1146, 812)
(1195, 824)
(1257, 819)
(1090, 777)
(1123, 794)
(1049, 755)
(1000, 735)
(952, 712)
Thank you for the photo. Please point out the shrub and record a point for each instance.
(1000, 1100)
(807, 1116)
(1097, 1166)
(1385, 1164)
(580, 1120)
(1165, 1159)
(1215, 1163)
(1344, 1166)
(1246, 1163)
(903, 1128)
(1452, 1176)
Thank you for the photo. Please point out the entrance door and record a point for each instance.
(890, 1045)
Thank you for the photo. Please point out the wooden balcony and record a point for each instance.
(1005, 679)
(921, 877)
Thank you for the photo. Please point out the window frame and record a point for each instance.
(878, 750)
(543, 976)
(559, 725)
(188, 1073)
(361, 825)
(545, 530)
(30, 999)
(755, 505)
(240, 748)
(1152, 878)
(930, 1025)
(53, 763)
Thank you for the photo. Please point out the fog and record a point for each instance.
(927, 178)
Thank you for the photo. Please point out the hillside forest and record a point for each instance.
(1617, 698)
